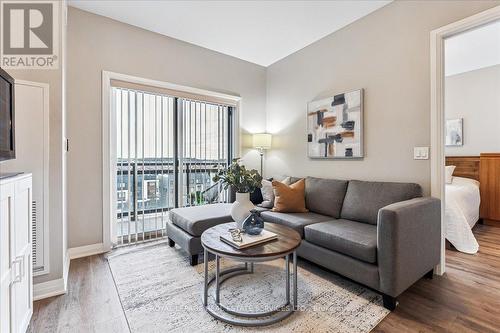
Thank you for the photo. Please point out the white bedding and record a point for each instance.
(462, 213)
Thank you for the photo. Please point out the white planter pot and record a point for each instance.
(241, 208)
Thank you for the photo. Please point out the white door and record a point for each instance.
(6, 215)
(22, 293)
(32, 153)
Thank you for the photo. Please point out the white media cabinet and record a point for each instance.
(16, 270)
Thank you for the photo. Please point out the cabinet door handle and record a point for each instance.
(22, 266)
(18, 263)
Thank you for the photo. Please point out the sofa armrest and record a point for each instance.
(408, 242)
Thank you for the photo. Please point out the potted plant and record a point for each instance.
(244, 182)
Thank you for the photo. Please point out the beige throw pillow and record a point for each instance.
(289, 198)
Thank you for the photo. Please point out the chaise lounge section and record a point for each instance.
(383, 235)
(186, 225)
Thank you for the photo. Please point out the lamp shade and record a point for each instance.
(262, 140)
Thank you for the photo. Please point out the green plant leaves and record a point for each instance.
(237, 176)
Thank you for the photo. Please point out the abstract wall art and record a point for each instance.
(454, 132)
(335, 126)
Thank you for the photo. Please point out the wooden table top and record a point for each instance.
(287, 241)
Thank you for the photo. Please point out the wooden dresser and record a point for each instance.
(489, 177)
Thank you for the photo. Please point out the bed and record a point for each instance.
(462, 203)
(462, 213)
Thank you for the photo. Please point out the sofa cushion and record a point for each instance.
(296, 221)
(256, 196)
(325, 196)
(364, 199)
(355, 239)
(289, 198)
(261, 209)
(195, 220)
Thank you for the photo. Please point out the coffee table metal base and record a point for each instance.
(235, 317)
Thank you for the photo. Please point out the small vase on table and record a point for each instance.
(241, 208)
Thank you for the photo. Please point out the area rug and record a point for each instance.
(161, 292)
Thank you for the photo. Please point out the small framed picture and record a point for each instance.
(454, 132)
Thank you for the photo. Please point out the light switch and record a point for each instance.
(421, 153)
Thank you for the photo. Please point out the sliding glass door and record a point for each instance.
(168, 149)
(205, 149)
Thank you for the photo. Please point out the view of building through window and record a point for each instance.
(146, 128)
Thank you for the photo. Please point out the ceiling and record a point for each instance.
(261, 32)
(474, 49)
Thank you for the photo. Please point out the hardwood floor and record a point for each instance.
(91, 304)
(465, 299)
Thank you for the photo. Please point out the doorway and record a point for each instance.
(438, 118)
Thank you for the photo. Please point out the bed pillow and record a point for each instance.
(449, 173)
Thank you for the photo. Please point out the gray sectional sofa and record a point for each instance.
(383, 235)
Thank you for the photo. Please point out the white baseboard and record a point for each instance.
(60, 286)
(48, 289)
(85, 251)
(53, 287)
(438, 270)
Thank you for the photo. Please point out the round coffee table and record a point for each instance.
(283, 247)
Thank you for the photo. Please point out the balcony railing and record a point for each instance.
(146, 191)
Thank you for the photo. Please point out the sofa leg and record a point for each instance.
(193, 260)
(389, 302)
(171, 243)
(430, 274)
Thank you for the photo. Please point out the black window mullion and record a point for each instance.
(176, 150)
(229, 134)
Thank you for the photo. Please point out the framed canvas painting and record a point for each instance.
(454, 132)
(335, 126)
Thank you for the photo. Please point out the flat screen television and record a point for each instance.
(7, 135)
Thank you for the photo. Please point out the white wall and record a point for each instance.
(475, 97)
(387, 54)
(473, 49)
(96, 43)
(57, 193)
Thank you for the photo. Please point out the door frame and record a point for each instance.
(437, 107)
(109, 139)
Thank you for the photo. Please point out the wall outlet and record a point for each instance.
(421, 153)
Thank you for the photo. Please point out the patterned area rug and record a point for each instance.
(161, 292)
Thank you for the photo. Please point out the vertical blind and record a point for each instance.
(168, 150)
